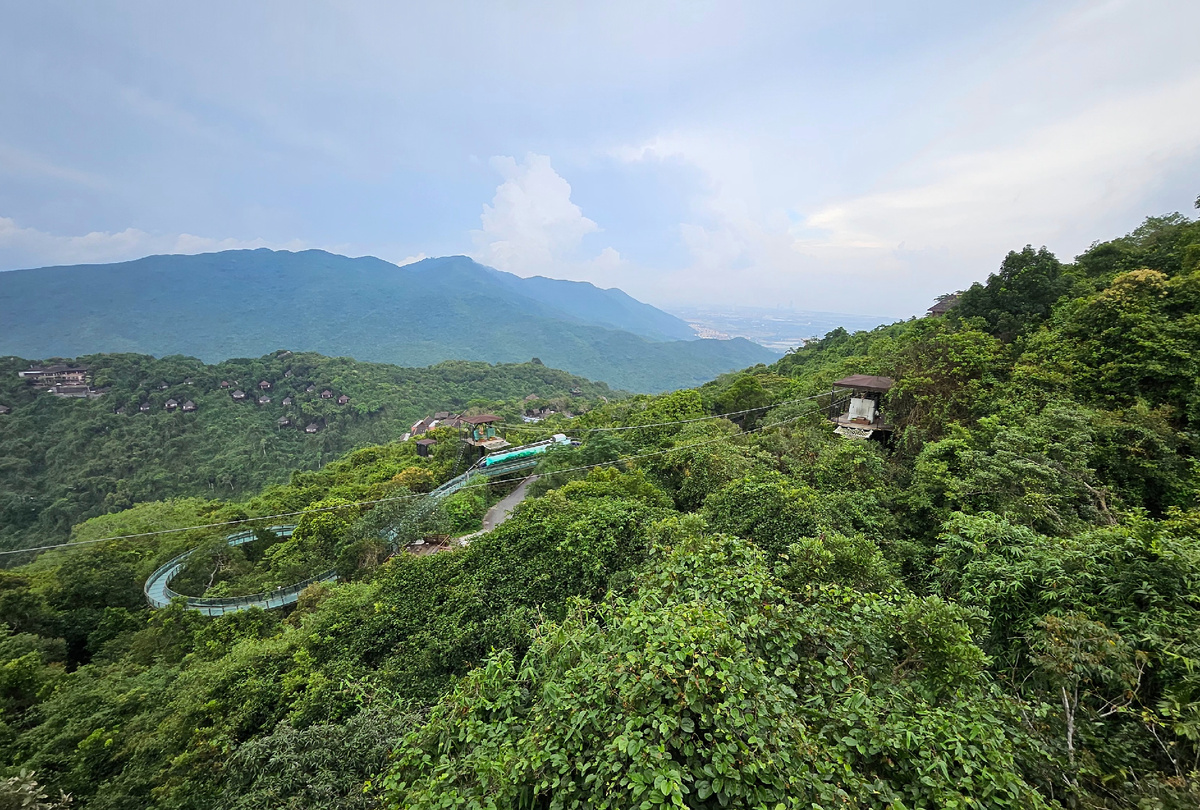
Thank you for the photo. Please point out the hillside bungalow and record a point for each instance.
(861, 395)
(224, 383)
(326, 394)
(120, 411)
(264, 400)
(343, 400)
(265, 385)
(310, 389)
(283, 421)
(188, 381)
(423, 426)
(480, 431)
(48, 375)
(287, 401)
(442, 415)
(144, 407)
(239, 395)
(425, 447)
(532, 397)
(171, 404)
(188, 407)
(312, 427)
(5, 409)
(288, 374)
(944, 305)
(164, 385)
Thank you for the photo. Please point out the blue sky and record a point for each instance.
(844, 157)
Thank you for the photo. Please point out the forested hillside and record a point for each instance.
(243, 303)
(713, 601)
(65, 460)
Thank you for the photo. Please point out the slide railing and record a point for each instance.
(159, 594)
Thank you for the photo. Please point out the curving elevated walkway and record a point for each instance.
(159, 594)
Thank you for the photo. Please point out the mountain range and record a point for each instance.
(244, 303)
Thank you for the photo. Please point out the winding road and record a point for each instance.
(502, 510)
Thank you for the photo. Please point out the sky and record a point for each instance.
(844, 157)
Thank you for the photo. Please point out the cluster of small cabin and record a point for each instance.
(73, 381)
(264, 398)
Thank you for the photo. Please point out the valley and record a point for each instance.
(866, 573)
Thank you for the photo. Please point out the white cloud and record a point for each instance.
(1060, 138)
(29, 247)
(978, 204)
(531, 226)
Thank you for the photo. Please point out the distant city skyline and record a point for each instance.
(844, 159)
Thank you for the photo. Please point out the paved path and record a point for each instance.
(501, 511)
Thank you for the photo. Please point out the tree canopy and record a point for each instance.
(998, 605)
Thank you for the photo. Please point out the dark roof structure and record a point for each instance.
(944, 305)
(426, 442)
(189, 406)
(865, 382)
(482, 419)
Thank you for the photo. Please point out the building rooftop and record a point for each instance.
(865, 382)
(482, 419)
(944, 305)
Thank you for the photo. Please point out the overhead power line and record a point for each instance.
(678, 421)
(410, 496)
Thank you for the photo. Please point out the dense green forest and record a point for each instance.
(65, 460)
(242, 303)
(999, 607)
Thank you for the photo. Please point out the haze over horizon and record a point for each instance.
(857, 161)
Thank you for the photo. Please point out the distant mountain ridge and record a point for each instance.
(244, 303)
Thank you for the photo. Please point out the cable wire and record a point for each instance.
(677, 421)
(410, 496)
